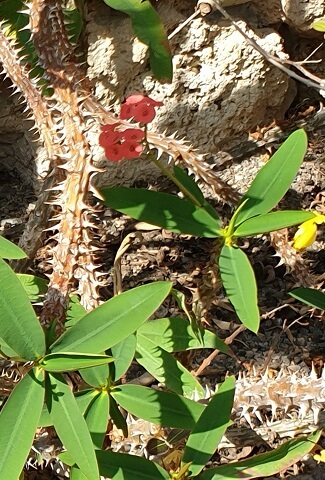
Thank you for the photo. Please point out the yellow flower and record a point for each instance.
(320, 457)
(306, 233)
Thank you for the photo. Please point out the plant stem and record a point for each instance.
(171, 177)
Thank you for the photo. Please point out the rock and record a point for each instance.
(222, 87)
(298, 14)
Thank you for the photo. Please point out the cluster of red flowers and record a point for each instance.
(140, 108)
(119, 145)
(127, 143)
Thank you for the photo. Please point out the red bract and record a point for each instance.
(119, 145)
(108, 138)
(109, 127)
(144, 113)
(126, 112)
(140, 108)
(114, 152)
(131, 149)
(135, 99)
(133, 135)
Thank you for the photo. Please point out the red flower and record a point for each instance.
(131, 149)
(126, 111)
(141, 108)
(144, 113)
(109, 135)
(135, 99)
(119, 145)
(133, 135)
(108, 138)
(114, 152)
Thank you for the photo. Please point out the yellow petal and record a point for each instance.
(319, 219)
(305, 235)
(321, 457)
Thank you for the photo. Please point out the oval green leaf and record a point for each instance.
(70, 362)
(18, 422)
(265, 464)
(123, 353)
(210, 427)
(310, 296)
(117, 417)
(71, 426)
(96, 417)
(274, 179)
(113, 321)
(176, 335)
(272, 221)
(121, 466)
(95, 376)
(163, 408)
(83, 399)
(319, 25)
(162, 209)
(166, 369)
(19, 327)
(149, 29)
(10, 251)
(239, 282)
(35, 287)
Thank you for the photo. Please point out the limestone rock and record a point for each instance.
(298, 14)
(222, 87)
(301, 15)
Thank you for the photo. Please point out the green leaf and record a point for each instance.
(114, 320)
(74, 24)
(239, 282)
(319, 25)
(163, 408)
(310, 296)
(122, 466)
(75, 311)
(149, 29)
(271, 221)
(35, 287)
(265, 464)
(210, 427)
(123, 353)
(96, 417)
(7, 351)
(45, 419)
(274, 179)
(176, 335)
(166, 369)
(19, 327)
(9, 250)
(187, 181)
(70, 362)
(71, 426)
(95, 376)
(116, 415)
(162, 209)
(18, 422)
(83, 399)
(16, 27)
(76, 474)
(191, 186)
